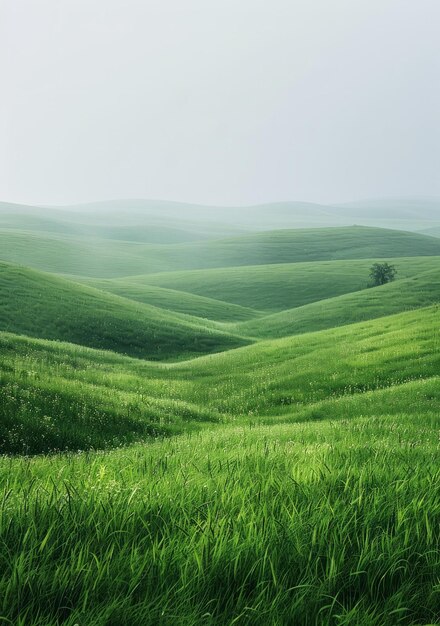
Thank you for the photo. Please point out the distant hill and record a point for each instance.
(109, 258)
(40, 305)
(434, 231)
(161, 221)
(103, 221)
(423, 208)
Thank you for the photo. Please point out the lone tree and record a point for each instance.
(382, 273)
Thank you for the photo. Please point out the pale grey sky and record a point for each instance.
(219, 101)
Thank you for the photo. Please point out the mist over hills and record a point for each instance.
(160, 221)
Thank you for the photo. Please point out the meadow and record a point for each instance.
(217, 431)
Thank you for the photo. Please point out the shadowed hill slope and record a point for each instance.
(173, 300)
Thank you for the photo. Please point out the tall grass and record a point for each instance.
(331, 523)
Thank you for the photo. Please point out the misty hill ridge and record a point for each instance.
(161, 221)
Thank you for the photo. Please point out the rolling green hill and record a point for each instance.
(307, 471)
(108, 258)
(173, 300)
(270, 377)
(277, 287)
(41, 305)
(402, 295)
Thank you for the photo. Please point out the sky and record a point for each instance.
(225, 102)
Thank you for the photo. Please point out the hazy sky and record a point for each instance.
(219, 101)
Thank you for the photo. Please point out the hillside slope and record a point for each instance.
(402, 295)
(41, 305)
(274, 375)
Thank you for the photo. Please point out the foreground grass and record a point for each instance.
(328, 523)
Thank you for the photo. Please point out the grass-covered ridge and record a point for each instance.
(272, 376)
(103, 258)
(45, 306)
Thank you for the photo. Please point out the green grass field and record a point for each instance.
(254, 442)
